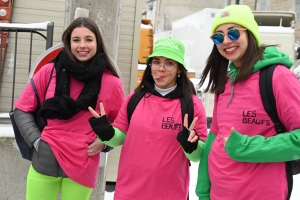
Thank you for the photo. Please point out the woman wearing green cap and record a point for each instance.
(243, 157)
(157, 142)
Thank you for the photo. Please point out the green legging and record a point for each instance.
(42, 187)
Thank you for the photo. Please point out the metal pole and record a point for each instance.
(30, 52)
(1, 61)
(102, 174)
(15, 68)
(49, 40)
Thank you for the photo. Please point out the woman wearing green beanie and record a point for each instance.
(243, 157)
(157, 143)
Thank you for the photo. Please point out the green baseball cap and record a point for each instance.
(169, 48)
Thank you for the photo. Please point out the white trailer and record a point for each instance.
(277, 28)
(194, 32)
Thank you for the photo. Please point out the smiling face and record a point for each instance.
(232, 50)
(83, 44)
(164, 72)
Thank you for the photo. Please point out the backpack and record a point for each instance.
(269, 102)
(26, 151)
(185, 107)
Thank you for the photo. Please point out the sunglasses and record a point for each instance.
(233, 34)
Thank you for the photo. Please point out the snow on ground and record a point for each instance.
(109, 196)
(194, 174)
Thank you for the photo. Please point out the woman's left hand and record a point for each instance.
(95, 147)
(193, 137)
(188, 137)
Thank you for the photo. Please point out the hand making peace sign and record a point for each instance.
(193, 137)
(188, 137)
(102, 111)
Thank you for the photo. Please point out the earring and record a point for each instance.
(178, 75)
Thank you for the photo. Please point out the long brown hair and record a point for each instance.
(188, 87)
(92, 26)
(217, 66)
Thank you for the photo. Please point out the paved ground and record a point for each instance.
(13, 172)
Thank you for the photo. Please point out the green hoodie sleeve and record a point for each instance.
(279, 148)
(203, 182)
(195, 155)
(116, 140)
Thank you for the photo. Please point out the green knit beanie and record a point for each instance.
(169, 48)
(237, 14)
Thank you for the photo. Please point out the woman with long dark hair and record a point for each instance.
(243, 156)
(67, 152)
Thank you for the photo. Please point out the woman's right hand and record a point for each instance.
(96, 115)
(101, 125)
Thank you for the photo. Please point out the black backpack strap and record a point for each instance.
(269, 102)
(133, 102)
(187, 108)
(35, 90)
(35, 93)
(267, 96)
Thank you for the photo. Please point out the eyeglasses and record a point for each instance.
(168, 65)
(233, 34)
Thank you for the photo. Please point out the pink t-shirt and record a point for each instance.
(152, 163)
(69, 139)
(232, 180)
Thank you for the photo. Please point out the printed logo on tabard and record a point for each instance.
(170, 123)
(225, 14)
(169, 44)
(251, 117)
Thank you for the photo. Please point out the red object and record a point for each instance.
(3, 54)
(3, 38)
(7, 4)
(47, 56)
(5, 13)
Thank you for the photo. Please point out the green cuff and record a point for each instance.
(116, 140)
(195, 155)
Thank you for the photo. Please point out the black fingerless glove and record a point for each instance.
(102, 127)
(187, 146)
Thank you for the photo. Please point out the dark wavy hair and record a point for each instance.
(92, 26)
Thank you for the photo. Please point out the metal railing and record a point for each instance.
(33, 28)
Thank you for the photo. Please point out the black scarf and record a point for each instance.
(62, 106)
